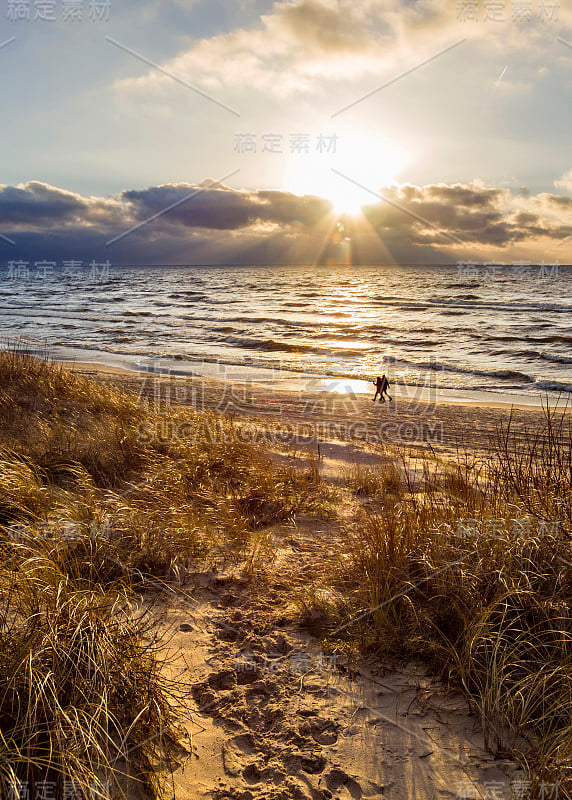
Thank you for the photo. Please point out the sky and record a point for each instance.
(305, 131)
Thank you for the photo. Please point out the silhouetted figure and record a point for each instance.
(381, 386)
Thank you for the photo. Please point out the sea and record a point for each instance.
(468, 330)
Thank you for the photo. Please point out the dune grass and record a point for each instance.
(464, 565)
(96, 504)
(468, 567)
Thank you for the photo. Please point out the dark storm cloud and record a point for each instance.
(474, 214)
(218, 224)
(38, 202)
(286, 208)
(224, 209)
(33, 205)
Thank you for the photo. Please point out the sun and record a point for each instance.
(348, 200)
(349, 178)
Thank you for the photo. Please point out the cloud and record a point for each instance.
(319, 27)
(222, 224)
(32, 201)
(302, 42)
(478, 216)
(565, 181)
(300, 45)
(35, 205)
(220, 208)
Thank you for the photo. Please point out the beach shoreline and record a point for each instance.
(345, 428)
(309, 384)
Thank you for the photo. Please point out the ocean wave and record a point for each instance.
(439, 366)
(480, 304)
(553, 339)
(457, 298)
(155, 356)
(287, 323)
(107, 299)
(555, 358)
(409, 342)
(369, 329)
(469, 285)
(274, 346)
(188, 296)
(554, 386)
(370, 344)
(340, 335)
(215, 301)
(492, 338)
(507, 337)
(225, 329)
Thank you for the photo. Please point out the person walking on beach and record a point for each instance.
(381, 386)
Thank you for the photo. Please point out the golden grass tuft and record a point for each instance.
(99, 499)
(465, 565)
(468, 566)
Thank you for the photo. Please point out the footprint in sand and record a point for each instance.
(337, 778)
(224, 679)
(322, 731)
(237, 752)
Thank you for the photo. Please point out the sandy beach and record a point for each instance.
(349, 424)
(276, 717)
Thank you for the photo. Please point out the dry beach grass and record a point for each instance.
(457, 560)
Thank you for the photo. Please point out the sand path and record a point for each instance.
(276, 718)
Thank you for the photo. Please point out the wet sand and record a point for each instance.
(313, 417)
